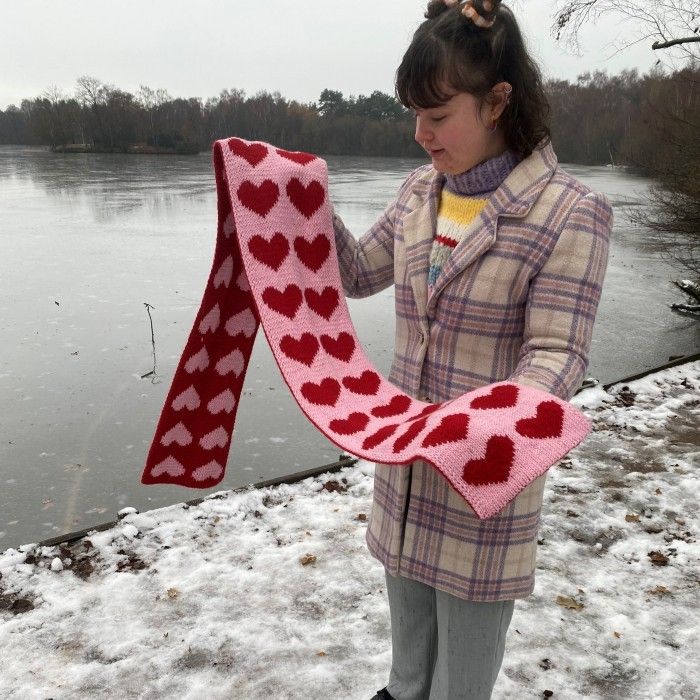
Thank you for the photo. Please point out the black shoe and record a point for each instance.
(382, 694)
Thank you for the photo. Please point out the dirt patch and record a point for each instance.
(15, 604)
(683, 427)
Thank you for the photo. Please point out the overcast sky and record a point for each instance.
(195, 49)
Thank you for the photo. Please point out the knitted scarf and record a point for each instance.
(275, 264)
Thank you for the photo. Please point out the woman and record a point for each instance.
(498, 257)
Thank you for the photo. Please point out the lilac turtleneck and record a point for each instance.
(483, 179)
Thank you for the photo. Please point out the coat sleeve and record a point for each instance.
(367, 265)
(563, 300)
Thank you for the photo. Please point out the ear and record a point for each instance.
(498, 99)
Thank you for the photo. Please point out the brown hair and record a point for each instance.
(449, 54)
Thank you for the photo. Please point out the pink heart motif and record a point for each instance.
(243, 322)
(229, 225)
(169, 466)
(212, 470)
(233, 362)
(242, 282)
(198, 361)
(211, 321)
(225, 401)
(188, 399)
(216, 438)
(224, 273)
(178, 434)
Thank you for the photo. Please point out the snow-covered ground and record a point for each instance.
(272, 594)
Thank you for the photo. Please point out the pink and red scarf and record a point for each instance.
(275, 264)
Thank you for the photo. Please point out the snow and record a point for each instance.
(272, 593)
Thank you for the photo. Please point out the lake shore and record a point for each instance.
(133, 149)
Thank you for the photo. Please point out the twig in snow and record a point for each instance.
(153, 342)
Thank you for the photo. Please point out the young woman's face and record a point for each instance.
(456, 134)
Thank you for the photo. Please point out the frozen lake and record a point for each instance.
(86, 240)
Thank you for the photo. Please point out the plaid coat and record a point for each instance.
(515, 301)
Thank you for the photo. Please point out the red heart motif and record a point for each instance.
(258, 198)
(296, 156)
(494, 468)
(325, 393)
(407, 438)
(313, 254)
(548, 422)
(342, 347)
(271, 253)
(367, 383)
(325, 303)
(379, 437)
(431, 408)
(451, 429)
(399, 404)
(503, 396)
(354, 423)
(306, 199)
(286, 303)
(302, 350)
(254, 153)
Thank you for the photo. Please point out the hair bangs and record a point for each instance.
(422, 79)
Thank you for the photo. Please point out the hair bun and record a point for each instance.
(437, 7)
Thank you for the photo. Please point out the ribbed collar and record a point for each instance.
(483, 178)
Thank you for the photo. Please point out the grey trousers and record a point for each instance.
(443, 647)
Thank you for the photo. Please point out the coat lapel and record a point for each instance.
(418, 227)
(514, 198)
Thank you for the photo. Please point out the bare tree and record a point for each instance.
(90, 91)
(672, 209)
(666, 24)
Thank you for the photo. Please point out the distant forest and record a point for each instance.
(596, 120)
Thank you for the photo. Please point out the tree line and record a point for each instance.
(597, 119)
(105, 118)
